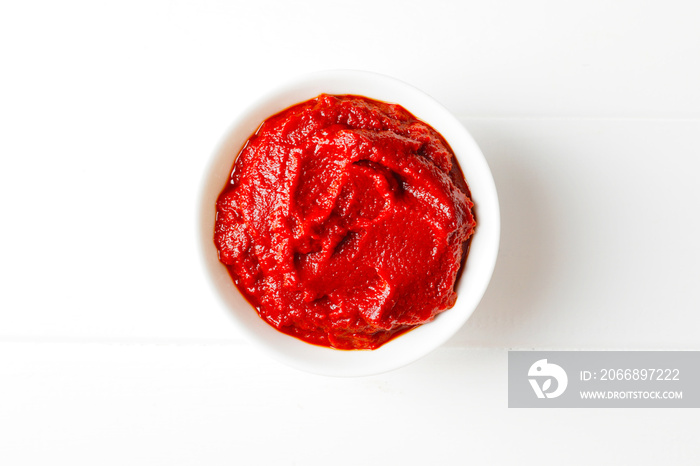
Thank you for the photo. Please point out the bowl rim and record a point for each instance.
(405, 348)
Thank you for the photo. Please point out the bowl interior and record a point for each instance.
(480, 262)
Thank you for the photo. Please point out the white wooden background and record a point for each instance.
(113, 349)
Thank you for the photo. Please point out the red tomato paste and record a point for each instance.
(345, 222)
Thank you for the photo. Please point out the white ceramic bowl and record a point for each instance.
(480, 262)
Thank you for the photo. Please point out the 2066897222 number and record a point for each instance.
(639, 374)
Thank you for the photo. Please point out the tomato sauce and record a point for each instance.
(345, 222)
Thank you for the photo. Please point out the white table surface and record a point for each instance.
(113, 349)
